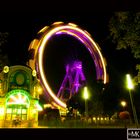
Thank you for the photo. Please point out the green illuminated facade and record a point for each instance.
(19, 96)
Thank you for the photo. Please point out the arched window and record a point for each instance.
(17, 103)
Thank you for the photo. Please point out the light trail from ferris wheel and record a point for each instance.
(85, 38)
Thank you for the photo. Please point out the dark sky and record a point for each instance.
(23, 28)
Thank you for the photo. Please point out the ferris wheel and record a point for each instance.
(39, 44)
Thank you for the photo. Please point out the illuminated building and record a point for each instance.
(19, 96)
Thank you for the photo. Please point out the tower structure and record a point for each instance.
(73, 80)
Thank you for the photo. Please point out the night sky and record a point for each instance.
(23, 28)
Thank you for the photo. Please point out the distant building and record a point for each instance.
(19, 96)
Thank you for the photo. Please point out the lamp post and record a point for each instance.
(86, 96)
(130, 87)
(123, 104)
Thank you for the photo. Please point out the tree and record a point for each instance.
(124, 30)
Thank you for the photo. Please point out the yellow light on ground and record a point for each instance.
(129, 82)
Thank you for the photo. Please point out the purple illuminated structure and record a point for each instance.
(73, 80)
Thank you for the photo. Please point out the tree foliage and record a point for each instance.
(124, 30)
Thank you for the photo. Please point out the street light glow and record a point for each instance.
(129, 82)
(123, 103)
(130, 86)
(86, 96)
(85, 93)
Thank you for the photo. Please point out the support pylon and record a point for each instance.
(73, 80)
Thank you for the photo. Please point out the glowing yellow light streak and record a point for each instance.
(85, 33)
(41, 52)
(101, 57)
(43, 29)
(58, 23)
(72, 34)
(129, 82)
(86, 96)
(72, 24)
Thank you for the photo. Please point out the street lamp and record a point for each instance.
(130, 87)
(123, 104)
(124, 114)
(86, 96)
